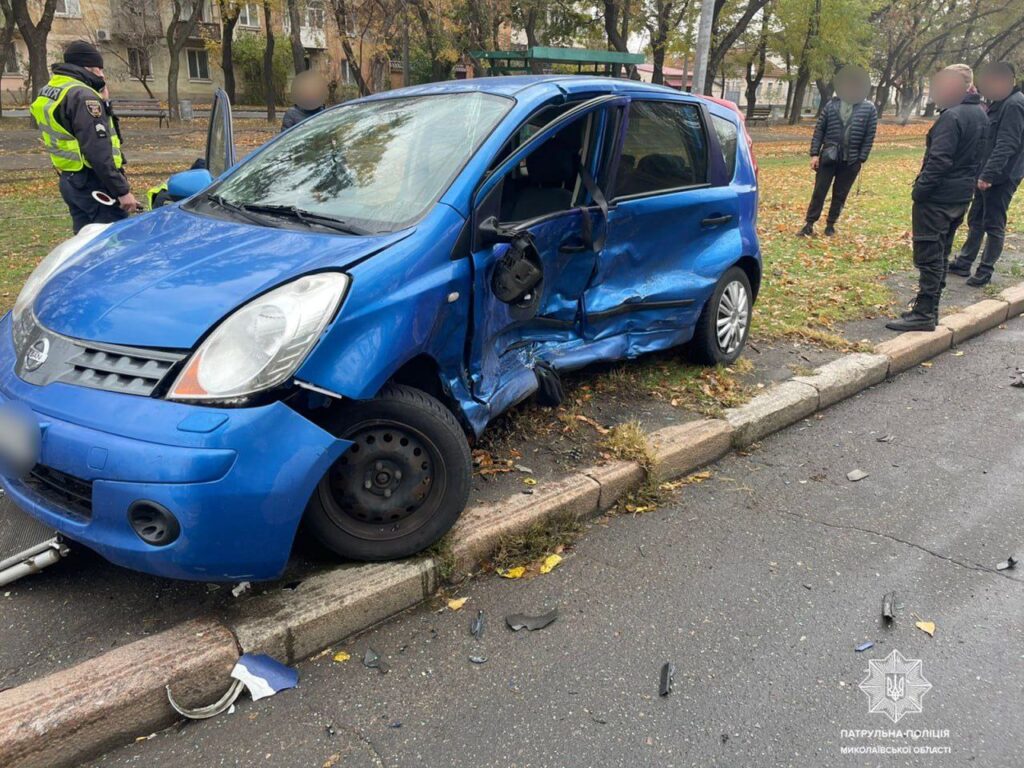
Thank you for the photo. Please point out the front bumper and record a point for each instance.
(237, 480)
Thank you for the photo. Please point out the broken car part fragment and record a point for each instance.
(373, 660)
(889, 606)
(1007, 564)
(518, 621)
(668, 673)
(477, 625)
(262, 675)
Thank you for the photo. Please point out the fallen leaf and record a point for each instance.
(341, 656)
(454, 605)
(550, 563)
(926, 626)
(513, 573)
(529, 481)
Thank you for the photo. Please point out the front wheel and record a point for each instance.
(724, 323)
(401, 485)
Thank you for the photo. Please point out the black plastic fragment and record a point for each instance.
(550, 392)
(517, 621)
(889, 606)
(372, 660)
(1007, 564)
(668, 673)
(477, 626)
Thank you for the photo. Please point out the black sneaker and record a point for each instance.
(912, 321)
(830, 230)
(977, 280)
(806, 230)
(956, 268)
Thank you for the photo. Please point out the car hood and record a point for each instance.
(163, 279)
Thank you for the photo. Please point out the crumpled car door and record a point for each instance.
(220, 138)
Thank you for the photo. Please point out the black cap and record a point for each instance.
(83, 54)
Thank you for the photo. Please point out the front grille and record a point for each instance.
(119, 369)
(71, 494)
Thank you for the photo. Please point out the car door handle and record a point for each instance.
(714, 221)
(571, 246)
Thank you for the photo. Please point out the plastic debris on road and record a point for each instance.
(668, 674)
(262, 675)
(1017, 380)
(372, 660)
(864, 646)
(241, 588)
(1007, 564)
(889, 606)
(476, 627)
(550, 563)
(885, 439)
(517, 621)
(478, 659)
(856, 475)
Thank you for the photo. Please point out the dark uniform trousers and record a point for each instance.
(76, 188)
(987, 218)
(840, 176)
(935, 225)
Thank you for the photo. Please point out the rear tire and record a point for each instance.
(723, 325)
(401, 485)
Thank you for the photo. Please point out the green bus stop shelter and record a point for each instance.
(585, 60)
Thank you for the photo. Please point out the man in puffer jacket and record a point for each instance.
(943, 189)
(842, 141)
(1001, 173)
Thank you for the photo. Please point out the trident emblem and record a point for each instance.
(895, 686)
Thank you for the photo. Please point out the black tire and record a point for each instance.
(402, 484)
(706, 348)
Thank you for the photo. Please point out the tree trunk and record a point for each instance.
(268, 67)
(227, 62)
(908, 101)
(298, 52)
(35, 35)
(882, 98)
(530, 28)
(755, 76)
(6, 35)
(825, 91)
(178, 33)
(803, 77)
(341, 17)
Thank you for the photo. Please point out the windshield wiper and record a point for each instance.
(307, 217)
(235, 208)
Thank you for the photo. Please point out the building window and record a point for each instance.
(198, 64)
(138, 63)
(71, 8)
(314, 14)
(206, 12)
(249, 16)
(346, 72)
(666, 147)
(10, 62)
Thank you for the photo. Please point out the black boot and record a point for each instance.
(923, 317)
(830, 229)
(979, 279)
(957, 267)
(806, 230)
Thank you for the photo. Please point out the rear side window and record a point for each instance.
(727, 138)
(665, 148)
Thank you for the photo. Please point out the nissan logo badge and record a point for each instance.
(37, 354)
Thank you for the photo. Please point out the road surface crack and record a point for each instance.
(920, 547)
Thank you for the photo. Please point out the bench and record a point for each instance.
(139, 108)
(760, 114)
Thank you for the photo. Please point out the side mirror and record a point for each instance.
(188, 183)
(491, 232)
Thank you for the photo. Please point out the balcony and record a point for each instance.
(204, 30)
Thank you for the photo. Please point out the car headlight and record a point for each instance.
(46, 269)
(260, 345)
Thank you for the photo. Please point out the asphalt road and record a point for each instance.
(757, 584)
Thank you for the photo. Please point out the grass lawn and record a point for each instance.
(810, 286)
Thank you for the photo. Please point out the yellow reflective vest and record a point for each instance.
(65, 152)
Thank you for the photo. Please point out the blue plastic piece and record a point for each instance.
(264, 675)
(188, 183)
(238, 479)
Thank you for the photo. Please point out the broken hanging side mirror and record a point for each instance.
(492, 233)
(518, 273)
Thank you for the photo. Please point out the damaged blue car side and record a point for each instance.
(313, 335)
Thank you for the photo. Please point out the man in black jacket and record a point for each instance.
(943, 189)
(842, 141)
(309, 92)
(1001, 173)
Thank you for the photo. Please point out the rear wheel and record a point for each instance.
(401, 485)
(722, 327)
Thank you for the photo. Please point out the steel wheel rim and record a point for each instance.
(732, 317)
(387, 485)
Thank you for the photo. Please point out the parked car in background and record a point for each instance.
(314, 334)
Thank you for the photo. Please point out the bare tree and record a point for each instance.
(725, 37)
(268, 65)
(179, 30)
(343, 18)
(298, 51)
(137, 24)
(757, 63)
(230, 10)
(35, 34)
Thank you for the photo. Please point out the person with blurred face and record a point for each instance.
(1001, 173)
(309, 94)
(842, 141)
(943, 189)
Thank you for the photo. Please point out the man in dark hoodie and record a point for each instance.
(81, 135)
(842, 141)
(1001, 173)
(943, 189)
(309, 92)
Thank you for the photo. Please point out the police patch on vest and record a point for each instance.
(93, 107)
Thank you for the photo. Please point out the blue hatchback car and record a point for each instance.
(316, 332)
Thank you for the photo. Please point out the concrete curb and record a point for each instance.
(74, 714)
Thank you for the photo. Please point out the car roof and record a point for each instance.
(512, 85)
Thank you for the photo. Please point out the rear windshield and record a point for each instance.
(378, 165)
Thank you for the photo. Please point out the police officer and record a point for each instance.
(1000, 175)
(80, 133)
(943, 189)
